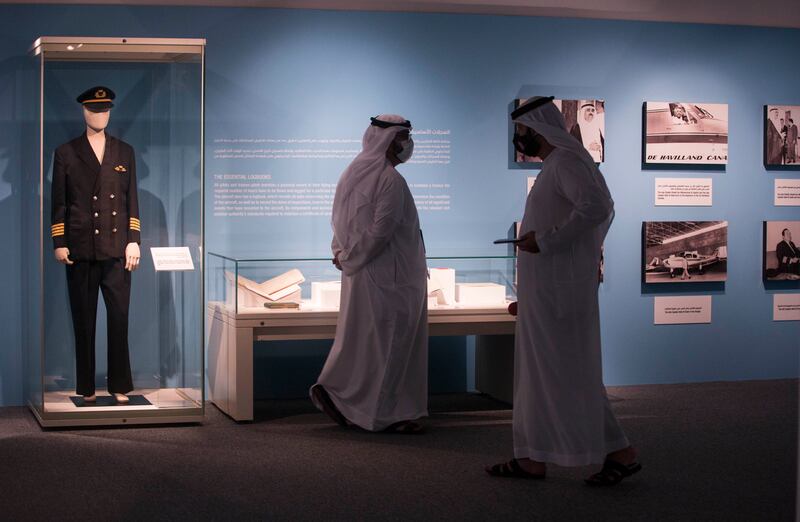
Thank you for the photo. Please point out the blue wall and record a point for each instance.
(279, 73)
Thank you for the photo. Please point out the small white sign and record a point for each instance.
(685, 309)
(683, 192)
(786, 307)
(531, 181)
(170, 259)
(787, 192)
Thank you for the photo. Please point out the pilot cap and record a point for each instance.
(97, 98)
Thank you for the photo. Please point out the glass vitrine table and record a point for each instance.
(260, 299)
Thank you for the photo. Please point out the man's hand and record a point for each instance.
(336, 262)
(62, 256)
(527, 243)
(132, 256)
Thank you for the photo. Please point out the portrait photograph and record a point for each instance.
(781, 139)
(781, 253)
(586, 121)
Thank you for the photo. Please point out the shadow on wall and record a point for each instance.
(153, 330)
(190, 310)
(17, 162)
(11, 385)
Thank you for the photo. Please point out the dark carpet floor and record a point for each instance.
(715, 451)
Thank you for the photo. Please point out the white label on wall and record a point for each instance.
(786, 307)
(787, 192)
(685, 309)
(168, 259)
(683, 192)
(531, 181)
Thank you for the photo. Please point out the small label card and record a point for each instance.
(787, 192)
(683, 192)
(170, 259)
(685, 309)
(786, 307)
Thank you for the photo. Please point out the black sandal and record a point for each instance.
(612, 473)
(405, 428)
(328, 406)
(512, 469)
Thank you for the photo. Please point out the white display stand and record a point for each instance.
(231, 335)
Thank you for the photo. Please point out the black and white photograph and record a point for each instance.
(686, 133)
(781, 139)
(685, 251)
(781, 253)
(586, 121)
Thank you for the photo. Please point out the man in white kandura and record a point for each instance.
(376, 375)
(561, 411)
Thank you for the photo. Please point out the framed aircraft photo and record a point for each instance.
(685, 251)
(686, 133)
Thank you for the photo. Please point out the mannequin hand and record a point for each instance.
(132, 257)
(336, 263)
(527, 243)
(62, 255)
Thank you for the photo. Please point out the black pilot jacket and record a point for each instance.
(95, 207)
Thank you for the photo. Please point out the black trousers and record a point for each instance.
(84, 280)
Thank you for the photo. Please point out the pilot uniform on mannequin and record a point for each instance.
(96, 233)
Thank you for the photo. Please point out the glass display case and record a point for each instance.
(260, 299)
(108, 342)
(252, 285)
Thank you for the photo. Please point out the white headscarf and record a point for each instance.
(355, 192)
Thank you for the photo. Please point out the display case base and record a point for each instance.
(160, 406)
(231, 336)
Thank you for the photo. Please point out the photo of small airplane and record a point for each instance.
(687, 251)
(684, 261)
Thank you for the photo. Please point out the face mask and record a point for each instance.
(406, 151)
(526, 144)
